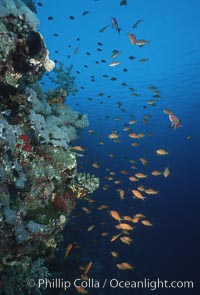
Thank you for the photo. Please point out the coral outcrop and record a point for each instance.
(24, 57)
(39, 179)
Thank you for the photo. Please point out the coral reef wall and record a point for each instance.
(39, 179)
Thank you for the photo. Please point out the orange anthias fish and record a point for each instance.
(166, 172)
(135, 220)
(138, 195)
(115, 24)
(146, 222)
(121, 194)
(113, 136)
(88, 267)
(127, 218)
(124, 226)
(133, 178)
(81, 290)
(115, 53)
(132, 38)
(124, 266)
(141, 42)
(102, 207)
(114, 254)
(68, 249)
(167, 112)
(115, 215)
(127, 240)
(114, 238)
(95, 165)
(161, 152)
(175, 121)
(114, 63)
(78, 148)
(156, 173)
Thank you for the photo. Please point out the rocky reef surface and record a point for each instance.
(39, 179)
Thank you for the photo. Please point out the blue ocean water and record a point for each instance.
(168, 250)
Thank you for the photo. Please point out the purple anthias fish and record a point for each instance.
(115, 24)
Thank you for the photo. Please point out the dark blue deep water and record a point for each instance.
(170, 249)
